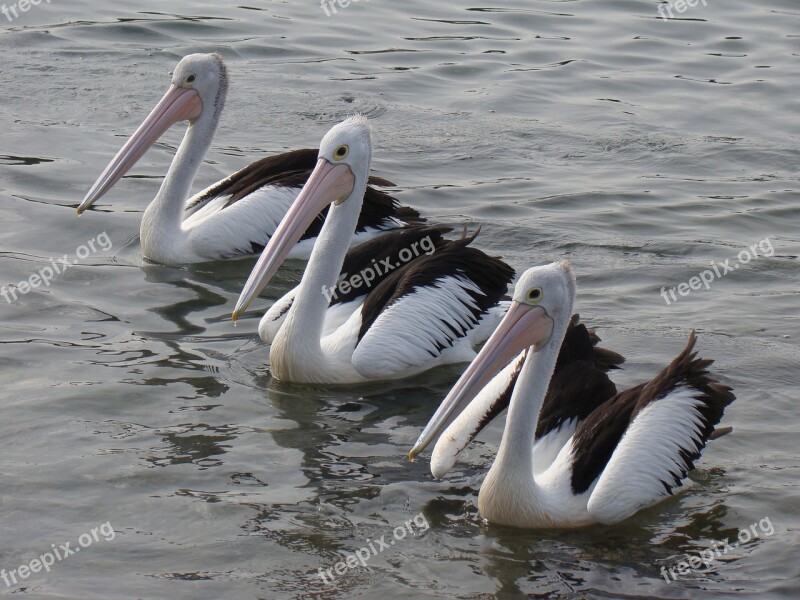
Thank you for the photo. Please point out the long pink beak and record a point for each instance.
(524, 326)
(328, 183)
(178, 104)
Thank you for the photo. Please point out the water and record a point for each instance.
(641, 149)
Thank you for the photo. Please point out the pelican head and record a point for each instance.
(339, 179)
(550, 288)
(198, 89)
(543, 297)
(206, 75)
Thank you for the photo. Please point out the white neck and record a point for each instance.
(510, 490)
(523, 411)
(297, 346)
(161, 223)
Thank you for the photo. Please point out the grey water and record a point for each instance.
(640, 148)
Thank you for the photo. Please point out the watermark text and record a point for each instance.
(23, 6)
(378, 268)
(374, 547)
(329, 6)
(706, 558)
(717, 271)
(56, 554)
(57, 266)
(665, 9)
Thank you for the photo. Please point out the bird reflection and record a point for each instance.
(546, 563)
(202, 445)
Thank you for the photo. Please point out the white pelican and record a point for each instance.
(629, 453)
(369, 258)
(236, 216)
(578, 386)
(430, 310)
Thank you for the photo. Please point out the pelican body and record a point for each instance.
(236, 216)
(430, 310)
(630, 452)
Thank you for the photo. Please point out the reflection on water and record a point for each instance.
(642, 150)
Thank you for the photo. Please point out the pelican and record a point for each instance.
(367, 258)
(629, 453)
(579, 385)
(236, 216)
(431, 310)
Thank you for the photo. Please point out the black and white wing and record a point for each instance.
(579, 385)
(642, 443)
(367, 256)
(431, 306)
(248, 206)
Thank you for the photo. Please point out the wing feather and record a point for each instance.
(642, 443)
(578, 386)
(358, 260)
(248, 205)
(425, 307)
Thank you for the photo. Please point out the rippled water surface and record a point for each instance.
(639, 148)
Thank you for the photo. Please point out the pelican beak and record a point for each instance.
(178, 104)
(328, 183)
(524, 326)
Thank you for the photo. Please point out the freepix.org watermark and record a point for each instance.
(362, 556)
(56, 554)
(665, 9)
(57, 266)
(717, 271)
(329, 6)
(366, 276)
(12, 12)
(763, 528)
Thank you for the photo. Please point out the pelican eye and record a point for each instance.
(535, 294)
(191, 78)
(341, 152)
